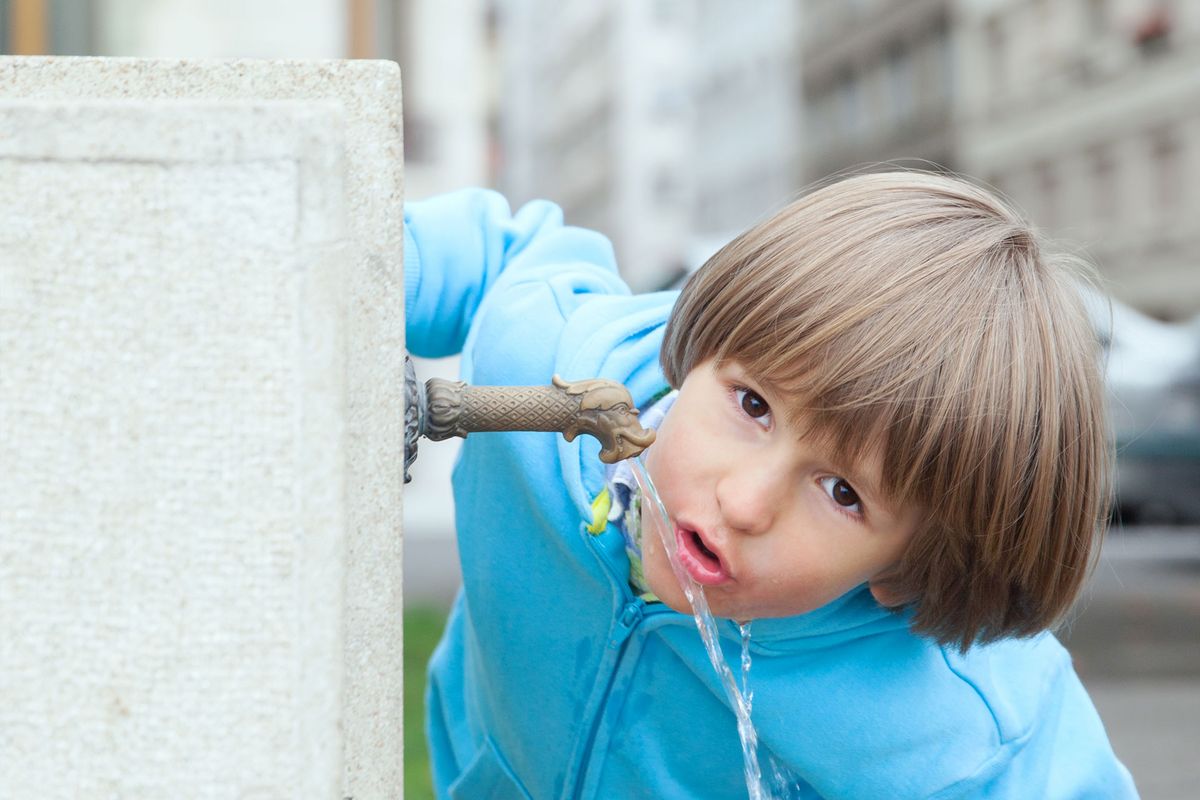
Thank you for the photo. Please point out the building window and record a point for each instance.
(1041, 32)
(1151, 34)
(385, 30)
(1165, 158)
(849, 100)
(666, 12)
(900, 82)
(1104, 186)
(668, 103)
(419, 138)
(1097, 17)
(666, 188)
(945, 50)
(47, 27)
(72, 28)
(821, 121)
(1047, 188)
(997, 57)
(24, 29)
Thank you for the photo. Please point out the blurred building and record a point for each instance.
(446, 51)
(47, 27)
(879, 84)
(747, 138)
(1087, 114)
(597, 118)
(213, 28)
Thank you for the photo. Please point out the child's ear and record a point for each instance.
(885, 596)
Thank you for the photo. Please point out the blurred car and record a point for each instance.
(1153, 373)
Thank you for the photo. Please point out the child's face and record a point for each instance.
(765, 520)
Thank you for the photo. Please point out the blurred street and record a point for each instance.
(1135, 639)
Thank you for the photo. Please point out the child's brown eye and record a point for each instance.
(753, 405)
(842, 493)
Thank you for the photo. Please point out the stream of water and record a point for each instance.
(781, 784)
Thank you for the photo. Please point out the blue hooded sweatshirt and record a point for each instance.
(553, 680)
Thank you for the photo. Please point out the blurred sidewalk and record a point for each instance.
(1136, 644)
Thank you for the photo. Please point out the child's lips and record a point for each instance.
(701, 561)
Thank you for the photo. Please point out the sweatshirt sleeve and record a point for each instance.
(457, 245)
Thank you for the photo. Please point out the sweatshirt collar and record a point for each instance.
(851, 616)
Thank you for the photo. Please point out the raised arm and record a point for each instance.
(457, 245)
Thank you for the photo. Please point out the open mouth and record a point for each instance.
(700, 561)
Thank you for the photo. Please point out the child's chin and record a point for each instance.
(677, 603)
(667, 589)
(673, 597)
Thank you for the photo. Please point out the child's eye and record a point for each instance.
(753, 405)
(842, 493)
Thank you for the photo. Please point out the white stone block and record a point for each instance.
(201, 340)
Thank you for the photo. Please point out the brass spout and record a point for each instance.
(440, 409)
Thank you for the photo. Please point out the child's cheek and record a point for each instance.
(660, 578)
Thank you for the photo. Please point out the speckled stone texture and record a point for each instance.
(201, 383)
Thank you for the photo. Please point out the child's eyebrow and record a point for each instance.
(863, 486)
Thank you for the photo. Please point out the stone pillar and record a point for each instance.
(201, 349)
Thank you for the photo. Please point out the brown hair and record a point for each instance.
(919, 314)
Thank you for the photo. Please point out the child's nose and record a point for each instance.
(750, 497)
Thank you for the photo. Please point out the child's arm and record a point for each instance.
(457, 245)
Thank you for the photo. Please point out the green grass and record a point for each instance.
(422, 628)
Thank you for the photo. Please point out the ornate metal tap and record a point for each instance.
(439, 409)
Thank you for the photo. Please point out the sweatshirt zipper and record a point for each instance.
(635, 612)
(630, 617)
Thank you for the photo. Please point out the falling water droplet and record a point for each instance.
(744, 628)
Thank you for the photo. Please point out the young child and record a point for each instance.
(887, 449)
